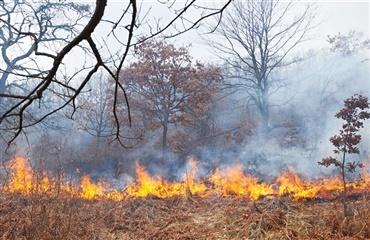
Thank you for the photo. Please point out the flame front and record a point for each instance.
(230, 181)
(158, 187)
(20, 178)
(89, 189)
(290, 183)
(233, 182)
(24, 181)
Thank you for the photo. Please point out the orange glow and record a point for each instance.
(21, 177)
(190, 180)
(290, 183)
(227, 182)
(232, 181)
(24, 181)
(146, 185)
(158, 187)
(89, 189)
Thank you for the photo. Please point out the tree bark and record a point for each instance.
(164, 138)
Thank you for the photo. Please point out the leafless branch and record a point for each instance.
(43, 33)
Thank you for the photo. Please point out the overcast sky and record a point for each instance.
(336, 15)
(342, 16)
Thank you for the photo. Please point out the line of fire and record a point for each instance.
(184, 120)
(228, 182)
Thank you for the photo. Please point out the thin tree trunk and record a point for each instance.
(344, 199)
(164, 138)
(3, 89)
(164, 146)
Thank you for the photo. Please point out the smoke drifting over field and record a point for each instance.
(302, 120)
(315, 91)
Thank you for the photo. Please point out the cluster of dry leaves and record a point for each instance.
(192, 217)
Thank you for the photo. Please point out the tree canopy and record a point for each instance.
(22, 108)
(255, 38)
(165, 86)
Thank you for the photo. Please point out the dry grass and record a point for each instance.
(41, 217)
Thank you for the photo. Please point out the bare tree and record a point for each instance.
(41, 19)
(255, 38)
(94, 115)
(53, 79)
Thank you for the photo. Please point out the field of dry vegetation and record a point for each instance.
(191, 217)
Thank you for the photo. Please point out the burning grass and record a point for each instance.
(230, 181)
(193, 217)
(228, 205)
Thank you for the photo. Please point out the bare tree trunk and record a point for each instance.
(258, 37)
(344, 199)
(20, 115)
(164, 138)
(3, 83)
(2, 90)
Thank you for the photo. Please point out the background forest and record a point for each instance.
(261, 99)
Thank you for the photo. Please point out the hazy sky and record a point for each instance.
(344, 15)
(339, 16)
(336, 16)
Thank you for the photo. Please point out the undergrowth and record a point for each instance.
(42, 217)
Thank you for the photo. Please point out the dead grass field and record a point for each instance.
(42, 217)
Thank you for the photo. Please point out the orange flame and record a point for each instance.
(190, 180)
(21, 177)
(233, 182)
(290, 183)
(158, 187)
(89, 189)
(230, 181)
(23, 180)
